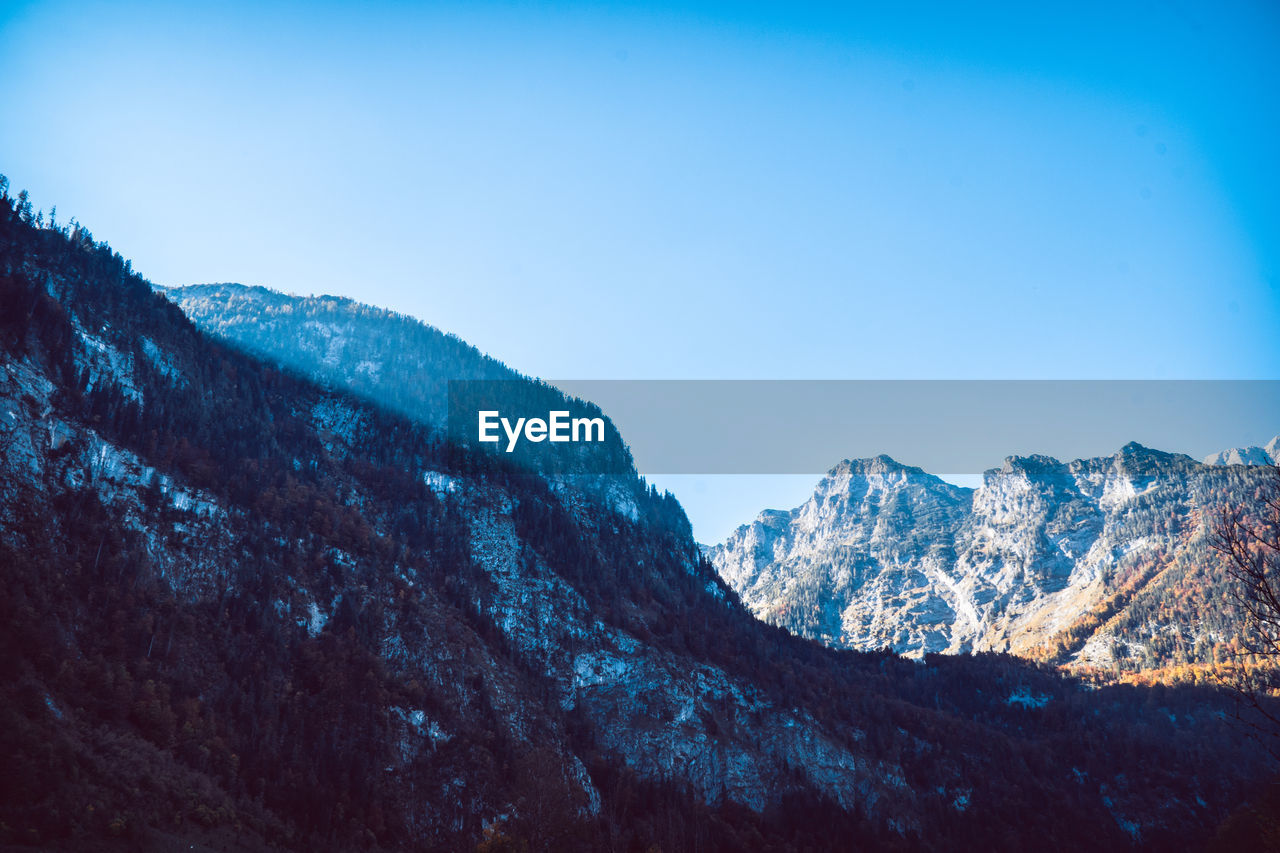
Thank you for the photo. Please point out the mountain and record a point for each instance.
(403, 365)
(1098, 562)
(401, 362)
(871, 532)
(246, 608)
(1268, 454)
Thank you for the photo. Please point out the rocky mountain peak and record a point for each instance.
(911, 561)
(1267, 454)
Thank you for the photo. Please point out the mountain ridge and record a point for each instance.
(1010, 565)
(1267, 454)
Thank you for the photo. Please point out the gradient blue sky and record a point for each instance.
(1056, 190)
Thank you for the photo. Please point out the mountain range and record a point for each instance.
(1098, 563)
(257, 600)
(1268, 454)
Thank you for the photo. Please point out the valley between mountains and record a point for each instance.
(255, 600)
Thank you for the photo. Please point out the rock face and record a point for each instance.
(874, 532)
(887, 555)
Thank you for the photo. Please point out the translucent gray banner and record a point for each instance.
(943, 426)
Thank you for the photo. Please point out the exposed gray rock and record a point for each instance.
(884, 554)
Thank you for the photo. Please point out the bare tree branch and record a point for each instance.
(1248, 541)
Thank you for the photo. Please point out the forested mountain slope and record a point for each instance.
(249, 611)
(400, 362)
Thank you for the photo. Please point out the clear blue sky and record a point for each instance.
(1076, 190)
